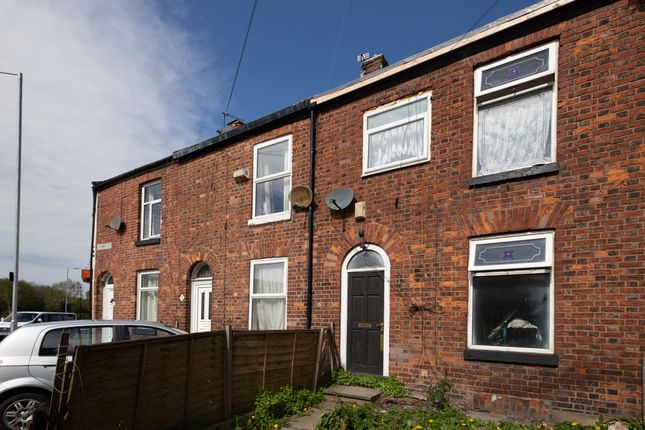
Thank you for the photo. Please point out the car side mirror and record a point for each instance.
(39, 320)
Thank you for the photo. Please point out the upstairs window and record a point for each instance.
(397, 135)
(271, 180)
(511, 293)
(151, 210)
(515, 112)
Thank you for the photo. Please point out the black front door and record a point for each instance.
(365, 323)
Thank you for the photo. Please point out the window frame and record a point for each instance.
(511, 270)
(276, 216)
(140, 289)
(283, 295)
(512, 90)
(426, 116)
(146, 231)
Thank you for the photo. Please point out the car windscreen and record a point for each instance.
(22, 316)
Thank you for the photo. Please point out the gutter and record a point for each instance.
(101, 185)
(209, 144)
(239, 132)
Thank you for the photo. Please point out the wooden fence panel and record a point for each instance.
(108, 381)
(183, 381)
(161, 399)
(205, 398)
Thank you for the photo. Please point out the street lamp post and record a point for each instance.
(67, 286)
(14, 293)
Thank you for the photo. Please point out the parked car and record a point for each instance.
(31, 317)
(28, 359)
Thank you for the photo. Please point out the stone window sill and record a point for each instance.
(548, 360)
(145, 242)
(515, 174)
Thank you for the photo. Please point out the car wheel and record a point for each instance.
(18, 411)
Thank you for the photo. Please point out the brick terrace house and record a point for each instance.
(493, 234)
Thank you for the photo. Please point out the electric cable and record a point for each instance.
(340, 35)
(239, 63)
(475, 24)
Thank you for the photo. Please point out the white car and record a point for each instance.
(33, 317)
(28, 360)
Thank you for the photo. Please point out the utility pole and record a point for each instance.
(14, 293)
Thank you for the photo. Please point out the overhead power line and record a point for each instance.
(475, 24)
(239, 63)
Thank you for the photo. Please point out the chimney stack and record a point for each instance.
(369, 65)
(232, 125)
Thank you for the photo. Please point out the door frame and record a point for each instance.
(196, 283)
(105, 304)
(344, 287)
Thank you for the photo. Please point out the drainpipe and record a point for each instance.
(95, 201)
(310, 217)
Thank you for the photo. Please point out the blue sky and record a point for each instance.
(112, 85)
(297, 48)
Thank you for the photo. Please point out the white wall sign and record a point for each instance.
(103, 246)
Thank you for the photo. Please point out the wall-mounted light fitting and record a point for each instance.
(359, 211)
(241, 175)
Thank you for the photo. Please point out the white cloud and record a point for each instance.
(108, 86)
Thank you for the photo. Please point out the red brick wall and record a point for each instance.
(423, 217)
(204, 218)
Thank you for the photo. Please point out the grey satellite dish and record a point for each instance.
(115, 223)
(300, 196)
(340, 198)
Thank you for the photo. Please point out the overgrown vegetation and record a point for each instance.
(437, 397)
(437, 414)
(389, 385)
(273, 409)
(369, 417)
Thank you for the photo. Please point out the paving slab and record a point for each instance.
(352, 392)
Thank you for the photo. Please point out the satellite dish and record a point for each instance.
(340, 198)
(115, 223)
(301, 196)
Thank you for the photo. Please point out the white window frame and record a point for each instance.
(425, 156)
(510, 270)
(283, 295)
(513, 89)
(146, 230)
(140, 289)
(277, 216)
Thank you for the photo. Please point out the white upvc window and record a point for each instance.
(268, 297)
(515, 112)
(151, 210)
(271, 180)
(397, 135)
(147, 294)
(510, 299)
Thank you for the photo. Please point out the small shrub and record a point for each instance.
(271, 409)
(346, 417)
(438, 394)
(388, 385)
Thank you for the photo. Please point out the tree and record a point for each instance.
(34, 297)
